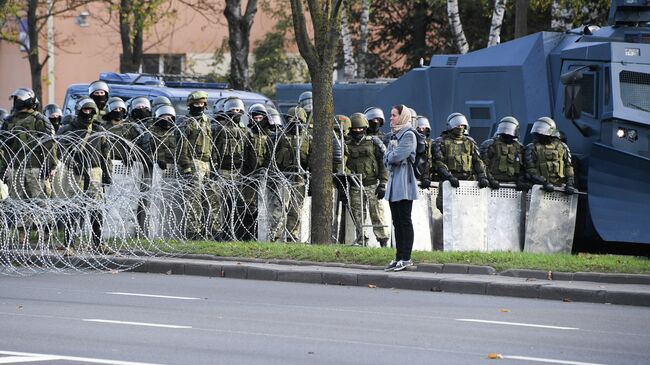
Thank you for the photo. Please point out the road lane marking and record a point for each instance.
(549, 361)
(152, 296)
(72, 358)
(136, 323)
(20, 359)
(518, 324)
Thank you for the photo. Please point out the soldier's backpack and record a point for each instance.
(420, 153)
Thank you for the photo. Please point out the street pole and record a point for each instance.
(50, 54)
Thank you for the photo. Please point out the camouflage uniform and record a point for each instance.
(504, 160)
(366, 157)
(549, 163)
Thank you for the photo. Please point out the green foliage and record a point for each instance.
(372, 256)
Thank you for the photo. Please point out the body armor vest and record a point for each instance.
(201, 139)
(550, 161)
(505, 163)
(259, 143)
(361, 159)
(458, 155)
(229, 147)
(164, 143)
(26, 138)
(286, 152)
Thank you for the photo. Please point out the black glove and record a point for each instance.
(107, 179)
(494, 184)
(522, 186)
(570, 190)
(425, 184)
(548, 187)
(162, 164)
(189, 176)
(483, 182)
(380, 191)
(453, 181)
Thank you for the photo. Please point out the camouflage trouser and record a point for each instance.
(287, 203)
(144, 202)
(197, 206)
(27, 183)
(86, 189)
(376, 210)
(251, 192)
(225, 201)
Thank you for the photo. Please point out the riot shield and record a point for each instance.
(464, 217)
(551, 221)
(505, 219)
(122, 198)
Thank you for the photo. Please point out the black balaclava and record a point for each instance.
(373, 126)
(140, 113)
(56, 122)
(100, 100)
(507, 138)
(85, 119)
(196, 111)
(543, 139)
(164, 123)
(115, 115)
(426, 132)
(357, 136)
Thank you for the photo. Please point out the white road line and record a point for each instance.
(518, 324)
(152, 296)
(135, 323)
(19, 359)
(549, 361)
(73, 358)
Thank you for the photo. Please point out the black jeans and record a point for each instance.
(401, 213)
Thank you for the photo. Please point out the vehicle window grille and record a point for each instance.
(635, 90)
(452, 61)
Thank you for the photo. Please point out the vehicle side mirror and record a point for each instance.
(572, 101)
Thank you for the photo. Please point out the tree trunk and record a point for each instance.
(521, 18)
(363, 39)
(349, 64)
(126, 60)
(420, 49)
(239, 28)
(494, 37)
(35, 65)
(456, 26)
(561, 16)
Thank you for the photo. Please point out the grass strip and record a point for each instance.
(500, 261)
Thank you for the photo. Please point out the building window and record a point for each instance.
(156, 63)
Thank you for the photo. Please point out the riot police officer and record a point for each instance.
(365, 156)
(160, 101)
(140, 110)
(503, 155)
(87, 155)
(306, 102)
(547, 159)
(194, 149)
(163, 142)
(54, 114)
(376, 119)
(292, 160)
(457, 157)
(99, 92)
(425, 165)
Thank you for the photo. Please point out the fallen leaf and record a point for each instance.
(549, 276)
(20, 307)
(504, 310)
(495, 356)
(567, 300)
(169, 272)
(372, 286)
(531, 279)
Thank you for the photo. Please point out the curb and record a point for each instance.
(465, 279)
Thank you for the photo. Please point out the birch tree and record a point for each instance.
(456, 26)
(362, 54)
(561, 16)
(319, 56)
(497, 21)
(349, 63)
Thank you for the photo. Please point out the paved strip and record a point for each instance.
(152, 296)
(75, 358)
(549, 361)
(20, 359)
(137, 323)
(517, 324)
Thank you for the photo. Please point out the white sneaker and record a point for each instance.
(402, 264)
(391, 266)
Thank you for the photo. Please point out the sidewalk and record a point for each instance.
(627, 289)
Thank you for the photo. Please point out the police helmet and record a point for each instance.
(544, 126)
(98, 85)
(197, 96)
(86, 103)
(358, 120)
(24, 98)
(233, 103)
(422, 122)
(414, 116)
(160, 100)
(257, 109)
(508, 125)
(344, 122)
(274, 117)
(297, 113)
(3, 114)
(140, 102)
(375, 113)
(456, 120)
(51, 111)
(115, 103)
(305, 101)
(165, 110)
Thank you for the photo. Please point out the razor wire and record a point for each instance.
(77, 200)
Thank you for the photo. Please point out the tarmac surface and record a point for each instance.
(626, 289)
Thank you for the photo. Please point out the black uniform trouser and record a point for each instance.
(401, 214)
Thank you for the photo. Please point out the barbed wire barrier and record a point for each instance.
(79, 199)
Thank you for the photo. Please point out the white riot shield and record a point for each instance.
(505, 220)
(435, 219)
(305, 220)
(263, 210)
(122, 198)
(551, 221)
(464, 217)
(422, 221)
(165, 209)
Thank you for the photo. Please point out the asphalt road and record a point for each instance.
(131, 318)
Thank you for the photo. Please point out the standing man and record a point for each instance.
(425, 165)
(365, 156)
(503, 156)
(87, 154)
(292, 159)
(54, 114)
(306, 102)
(457, 156)
(194, 149)
(548, 160)
(375, 118)
(99, 92)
